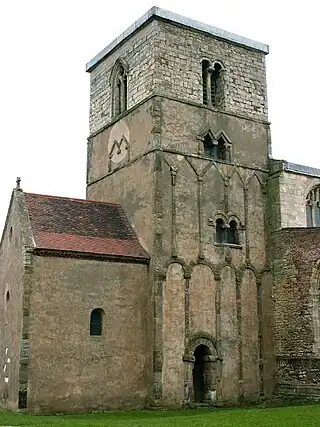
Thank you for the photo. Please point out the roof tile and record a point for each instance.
(78, 225)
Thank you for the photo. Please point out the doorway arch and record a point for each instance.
(202, 370)
(200, 373)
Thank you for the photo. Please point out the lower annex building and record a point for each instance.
(191, 272)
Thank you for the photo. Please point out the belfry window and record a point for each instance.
(209, 146)
(227, 233)
(222, 149)
(220, 231)
(96, 320)
(212, 84)
(216, 148)
(232, 231)
(205, 82)
(313, 207)
(119, 88)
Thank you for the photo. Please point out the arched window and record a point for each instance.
(313, 207)
(227, 233)
(205, 82)
(96, 319)
(119, 83)
(212, 83)
(216, 85)
(232, 231)
(216, 148)
(220, 231)
(209, 146)
(222, 149)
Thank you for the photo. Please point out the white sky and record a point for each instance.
(44, 90)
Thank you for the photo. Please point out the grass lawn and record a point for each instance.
(294, 416)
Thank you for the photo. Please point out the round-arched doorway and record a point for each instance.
(201, 373)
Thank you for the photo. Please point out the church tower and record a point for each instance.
(179, 136)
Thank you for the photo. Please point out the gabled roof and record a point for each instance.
(76, 225)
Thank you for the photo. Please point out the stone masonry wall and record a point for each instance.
(138, 52)
(290, 189)
(179, 52)
(11, 297)
(166, 59)
(69, 369)
(296, 253)
(172, 196)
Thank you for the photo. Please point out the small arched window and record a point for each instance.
(233, 235)
(222, 150)
(313, 207)
(227, 233)
(119, 82)
(96, 320)
(220, 231)
(205, 82)
(209, 146)
(216, 85)
(216, 148)
(212, 83)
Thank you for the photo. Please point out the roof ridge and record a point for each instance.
(50, 196)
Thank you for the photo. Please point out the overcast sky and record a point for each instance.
(44, 90)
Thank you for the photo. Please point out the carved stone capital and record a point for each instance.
(188, 358)
(217, 276)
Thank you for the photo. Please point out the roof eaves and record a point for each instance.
(90, 255)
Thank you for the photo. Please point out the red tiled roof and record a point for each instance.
(78, 225)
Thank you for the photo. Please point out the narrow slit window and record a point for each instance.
(216, 85)
(119, 89)
(96, 320)
(205, 81)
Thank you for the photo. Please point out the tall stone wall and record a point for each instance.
(69, 369)
(203, 292)
(120, 168)
(172, 194)
(13, 316)
(296, 275)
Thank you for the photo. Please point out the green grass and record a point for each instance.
(293, 416)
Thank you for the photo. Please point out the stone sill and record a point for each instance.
(228, 245)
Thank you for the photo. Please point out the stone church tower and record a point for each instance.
(190, 275)
(180, 138)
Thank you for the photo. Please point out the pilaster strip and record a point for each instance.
(239, 321)
(200, 215)
(246, 221)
